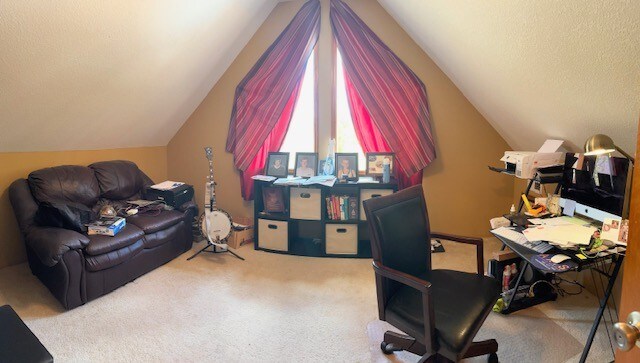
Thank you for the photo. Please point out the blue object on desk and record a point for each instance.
(543, 263)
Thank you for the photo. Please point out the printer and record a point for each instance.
(525, 164)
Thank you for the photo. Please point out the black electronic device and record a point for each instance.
(597, 184)
(174, 197)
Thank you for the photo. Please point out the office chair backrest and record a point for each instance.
(399, 228)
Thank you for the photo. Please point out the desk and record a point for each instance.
(596, 264)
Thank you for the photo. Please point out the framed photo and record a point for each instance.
(375, 161)
(346, 166)
(273, 199)
(321, 166)
(306, 164)
(278, 164)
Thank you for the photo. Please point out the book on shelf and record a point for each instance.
(329, 209)
(342, 207)
(353, 208)
(106, 226)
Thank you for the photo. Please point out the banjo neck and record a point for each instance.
(211, 184)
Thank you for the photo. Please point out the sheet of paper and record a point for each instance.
(557, 221)
(579, 162)
(568, 234)
(519, 238)
(264, 178)
(326, 180)
(167, 185)
(569, 207)
(603, 165)
(536, 221)
(611, 229)
(550, 146)
(296, 180)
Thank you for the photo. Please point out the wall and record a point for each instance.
(152, 160)
(461, 192)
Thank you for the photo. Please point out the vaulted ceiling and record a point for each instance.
(88, 74)
(537, 68)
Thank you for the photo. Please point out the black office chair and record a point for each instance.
(440, 310)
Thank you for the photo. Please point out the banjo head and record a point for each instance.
(220, 224)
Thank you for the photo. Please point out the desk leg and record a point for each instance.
(515, 289)
(603, 305)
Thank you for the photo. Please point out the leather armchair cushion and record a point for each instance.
(99, 244)
(118, 179)
(49, 243)
(460, 301)
(67, 183)
(150, 223)
(113, 258)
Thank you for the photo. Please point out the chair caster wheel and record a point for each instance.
(387, 348)
(493, 358)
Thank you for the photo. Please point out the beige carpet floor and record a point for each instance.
(271, 308)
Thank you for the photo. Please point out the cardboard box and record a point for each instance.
(507, 254)
(240, 238)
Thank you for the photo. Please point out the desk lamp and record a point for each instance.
(602, 144)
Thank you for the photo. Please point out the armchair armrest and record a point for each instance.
(50, 243)
(427, 306)
(478, 242)
(403, 278)
(189, 205)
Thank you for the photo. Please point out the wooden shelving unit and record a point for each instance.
(305, 229)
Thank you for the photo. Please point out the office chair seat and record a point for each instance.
(461, 303)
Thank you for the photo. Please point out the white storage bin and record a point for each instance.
(273, 235)
(368, 194)
(341, 239)
(305, 203)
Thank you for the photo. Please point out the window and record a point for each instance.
(301, 136)
(346, 139)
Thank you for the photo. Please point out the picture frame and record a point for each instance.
(321, 163)
(346, 166)
(375, 160)
(273, 199)
(277, 164)
(309, 169)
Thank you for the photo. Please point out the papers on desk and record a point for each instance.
(296, 180)
(519, 238)
(326, 180)
(264, 178)
(558, 221)
(565, 236)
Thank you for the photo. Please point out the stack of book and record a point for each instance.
(342, 208)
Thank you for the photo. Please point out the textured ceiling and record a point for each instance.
(90, 74)
(537, 68)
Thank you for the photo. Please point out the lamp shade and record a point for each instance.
(599, 144)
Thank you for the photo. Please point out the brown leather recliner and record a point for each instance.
(76, 267)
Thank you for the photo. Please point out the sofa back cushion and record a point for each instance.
(118, 179)
(66, 183)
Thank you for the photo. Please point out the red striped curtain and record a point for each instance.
(265, 98)
(370, 137)
(388, 101)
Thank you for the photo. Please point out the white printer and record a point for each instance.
(525, 164)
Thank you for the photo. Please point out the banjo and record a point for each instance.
(215, 224)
